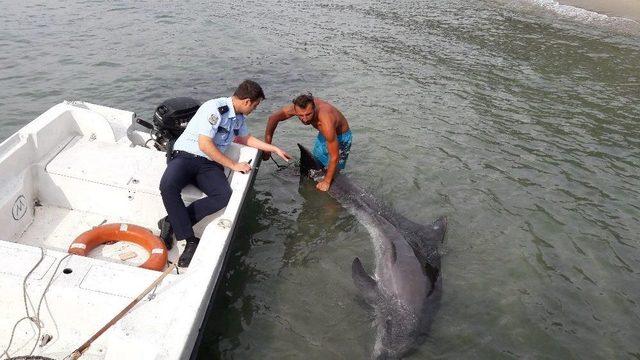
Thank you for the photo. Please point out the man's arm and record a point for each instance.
(254, 142)
(208, 147)
(277, 116)
(329, 132)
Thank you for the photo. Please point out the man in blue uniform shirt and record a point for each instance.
(199, 157)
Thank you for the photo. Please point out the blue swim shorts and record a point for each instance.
(321, 153)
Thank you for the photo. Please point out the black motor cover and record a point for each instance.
(171, 117)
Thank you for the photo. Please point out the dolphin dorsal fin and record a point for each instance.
(364, 282)
(307, 161)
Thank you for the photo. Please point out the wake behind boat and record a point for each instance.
(76, 167)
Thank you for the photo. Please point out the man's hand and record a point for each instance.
(286, 157)
(242, 167)
(323, 185)
(266, 155)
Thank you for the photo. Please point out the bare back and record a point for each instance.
(329, 114)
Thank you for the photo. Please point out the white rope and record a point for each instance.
(27, 301)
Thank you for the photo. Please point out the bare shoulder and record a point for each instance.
(327, 110)
(330, 114)
(324, 105)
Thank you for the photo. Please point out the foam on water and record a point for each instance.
(583, 15)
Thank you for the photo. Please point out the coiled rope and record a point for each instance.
(27, 302)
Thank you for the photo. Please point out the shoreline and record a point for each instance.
(626, 9)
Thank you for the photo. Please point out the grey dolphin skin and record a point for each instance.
(406, 288)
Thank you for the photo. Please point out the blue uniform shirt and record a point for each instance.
(208, 121)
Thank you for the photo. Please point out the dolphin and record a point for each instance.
(406, 287)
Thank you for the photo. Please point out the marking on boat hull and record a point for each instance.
(19, 208)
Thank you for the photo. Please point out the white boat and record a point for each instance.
(77, 166)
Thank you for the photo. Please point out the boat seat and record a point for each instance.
(118, 177)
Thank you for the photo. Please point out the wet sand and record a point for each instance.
(629, 9)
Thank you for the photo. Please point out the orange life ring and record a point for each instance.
(99, 235)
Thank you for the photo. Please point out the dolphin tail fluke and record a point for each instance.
(426, 247)
(433, 273)
(364, 282)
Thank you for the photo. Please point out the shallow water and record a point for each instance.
(517, 121)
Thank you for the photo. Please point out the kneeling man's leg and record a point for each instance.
(178, 174)
(212, 181)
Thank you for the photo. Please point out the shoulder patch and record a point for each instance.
(213, 119)
(223, 109)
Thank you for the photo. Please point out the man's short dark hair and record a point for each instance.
(303, 101)
(249, 89)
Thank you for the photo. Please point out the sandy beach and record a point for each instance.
(629, 9)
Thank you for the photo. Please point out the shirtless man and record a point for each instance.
(334, 136)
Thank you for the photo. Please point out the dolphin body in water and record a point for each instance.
(406, 287)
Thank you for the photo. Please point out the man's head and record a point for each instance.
(305, 108)
(248, 96)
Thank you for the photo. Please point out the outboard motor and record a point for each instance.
(171, 117)
(169, 121)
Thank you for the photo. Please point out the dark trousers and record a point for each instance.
(208, 176)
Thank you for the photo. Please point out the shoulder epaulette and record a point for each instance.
(223, 109)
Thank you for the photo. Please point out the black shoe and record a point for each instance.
(166, 232)
(188, 252)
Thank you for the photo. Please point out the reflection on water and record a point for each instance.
(292, 274)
